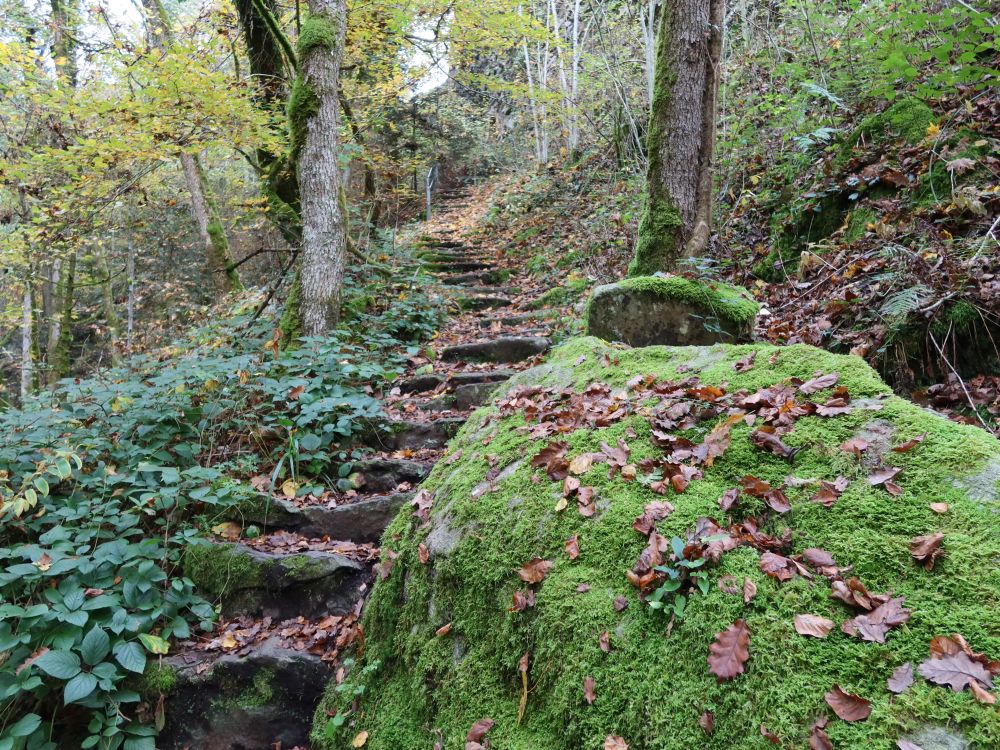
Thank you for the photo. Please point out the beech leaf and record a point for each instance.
(535, 570)
(902, 678)
(955, 670)
(588, 690)
(813, 625)
(847, 706)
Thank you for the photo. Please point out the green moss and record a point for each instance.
(157, 679)
(561, 296)
(906, 118)
(303, 104)
(220, 568)
(858, 223)
(654, 684)
(237, 696)
(658, 245)
(963, 314)
(291, 316)
(729, 302)
(303, 567)
(318, 32)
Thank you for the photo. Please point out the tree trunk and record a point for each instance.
(324, 237)
(218, 256)
(677, 217)
(27, 331)
(60, 346)
(103, 271)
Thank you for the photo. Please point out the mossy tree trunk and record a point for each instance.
(676, 221)
(314, 111)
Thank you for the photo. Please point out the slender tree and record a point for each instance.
(314, 111)
(677, 218)
(218, 255)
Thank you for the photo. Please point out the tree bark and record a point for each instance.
(676, 221)
(324, 237)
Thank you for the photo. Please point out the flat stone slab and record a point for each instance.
(458, 266)
(362, 522)
(484, 278)
(383, 475)
(403, 434)
(516, 320)
(670, 310)
(504, 349)
(262, 584)
(483, 302)
(259, 701)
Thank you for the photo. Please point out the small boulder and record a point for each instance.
(671, 310)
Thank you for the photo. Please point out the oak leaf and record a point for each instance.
(728, 654)
(955, 670)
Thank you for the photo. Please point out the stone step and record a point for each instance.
(462, 398)
(281, 586)
(404, 434)
(491, 291)
(258, 701)
(515, 320)
(504, 349)
(361, 521)
(496, 276)
(472, 256)
(431, 381)
(383, 475)
(482, 302)
(458, 266)
(434, 242)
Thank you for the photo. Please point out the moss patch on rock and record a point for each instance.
(220, 568)
(654, 684)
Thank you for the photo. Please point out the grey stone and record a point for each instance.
(879, 435)
(483, 302)
(250, 702)
(311, 584)
(938, 738)
(984, 485)
(458, 266)
(504, 349)
(384, 475)
(516, 320)
(643, 317)
(403, 434)
(363, 521)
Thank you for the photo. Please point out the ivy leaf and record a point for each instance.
(62, 665)
(79, 687)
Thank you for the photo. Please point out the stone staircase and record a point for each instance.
(291, 598)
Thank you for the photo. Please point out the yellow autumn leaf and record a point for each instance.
(561, 505)
(228, 530)
(581, 464)
(360, 739)
(933, 129)
(229, 642)
(289, 487)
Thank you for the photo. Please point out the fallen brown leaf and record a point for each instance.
(535, 570)
(588, 690)
(847, 706)
(813, 625)
(729, 652)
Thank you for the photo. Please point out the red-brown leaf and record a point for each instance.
(589, 694)
(443, 630)
(730, 651)
(847, 706)
(818, 738)
(605, 642)
(707, 722)
(909, 445)
(882, 476)
(819, 383)
(535, 570)
(749, 590)
(770, 736)
(956, 671)
(614, 742)
(776, 566)
(927, 549)
(729, 498)
(479, 730)
(902, 678)
(814, 625)
(573, 547)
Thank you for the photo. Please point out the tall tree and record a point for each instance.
(677, 218)
(218, 255)
(314, 111)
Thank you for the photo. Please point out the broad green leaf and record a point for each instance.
(63, 665)
(154, 643)
(131, 656)
(79, 687)
(95, 646)
(25, 725)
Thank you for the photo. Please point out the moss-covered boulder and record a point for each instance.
(672, 311)
(514, 598)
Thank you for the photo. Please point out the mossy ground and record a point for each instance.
(654, 685)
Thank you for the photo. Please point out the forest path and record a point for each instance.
(291, 598)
